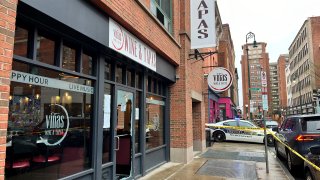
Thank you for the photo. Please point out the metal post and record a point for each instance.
(247, 114)
(265, 142)
(247, 49)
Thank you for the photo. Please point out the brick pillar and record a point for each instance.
(184, 133)
(7, 27)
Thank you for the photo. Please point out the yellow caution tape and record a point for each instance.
(268, 132)
(296, 153)
(232, 127)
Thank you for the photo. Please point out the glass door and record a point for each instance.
(124, 134)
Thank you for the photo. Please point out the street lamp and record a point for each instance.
(300, 97)
(247, 111)
(249, 36)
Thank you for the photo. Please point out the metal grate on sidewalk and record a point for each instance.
(243, 156)
(229, 169)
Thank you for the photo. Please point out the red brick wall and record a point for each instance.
(140, 22)
(315, 30)
(282, 81)
(7, 27)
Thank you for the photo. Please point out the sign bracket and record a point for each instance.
(202, 55)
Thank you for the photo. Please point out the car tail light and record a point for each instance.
(306, 137)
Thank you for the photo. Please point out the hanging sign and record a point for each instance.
(219, 79)
(127, 44)
(203, 25)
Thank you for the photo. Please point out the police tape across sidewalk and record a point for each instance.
(269, 133)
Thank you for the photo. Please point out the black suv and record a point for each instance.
(299, 132)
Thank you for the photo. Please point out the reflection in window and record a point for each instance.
(130, 78)
(108, 71)
(69, 58)
(45, 50)
(119, 77)
(106, 124)
(138, 81)
(21, 42)
(87, 64)
(154, 122)
(38, 118)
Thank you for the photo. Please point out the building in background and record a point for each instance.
(289, 89)
(229, 99)
(283, 62)
(304, 62)
(258, 61)
(274, 80)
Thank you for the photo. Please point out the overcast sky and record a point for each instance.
(275, 22)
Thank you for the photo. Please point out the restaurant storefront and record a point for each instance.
(85, 101)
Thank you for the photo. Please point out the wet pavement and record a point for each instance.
(224, 161)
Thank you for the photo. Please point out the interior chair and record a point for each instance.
(46, 155)
(19, 154)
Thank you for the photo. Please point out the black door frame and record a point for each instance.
(114, 122)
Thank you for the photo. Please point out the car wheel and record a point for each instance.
(270, 140)
(308, 175)
(219, 136)
(289, 162)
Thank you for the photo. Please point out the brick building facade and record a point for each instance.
(258, 60)
(80, 53)
(304, 62)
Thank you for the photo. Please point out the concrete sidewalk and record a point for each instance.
(227, 160)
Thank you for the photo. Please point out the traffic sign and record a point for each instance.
(255, 89)
(265, 102)
(263, 79)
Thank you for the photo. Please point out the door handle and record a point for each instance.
(118, 143)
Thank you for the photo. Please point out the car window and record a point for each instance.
(246, 124)
(230, 123)
(310, 124)
(283, 124)
(290, 125)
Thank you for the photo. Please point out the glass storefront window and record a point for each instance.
(130, 78)
(45, 49)
(21, 42)
(108, 71)
(87, 64)
(69, 58)
(106, 153)
(138, 80)
(154, 123)
(49, 127)
(119, 76)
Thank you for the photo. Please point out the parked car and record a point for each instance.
(299, 132)
(219, 132)
(269, 123)
(313, 156)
